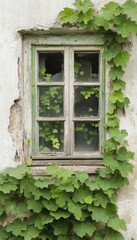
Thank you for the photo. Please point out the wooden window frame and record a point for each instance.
(41, 42)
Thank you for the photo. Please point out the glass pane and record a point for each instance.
(86, 67)
(51, 101)
(86, 101)
(86, 136)
(51, 67)
(51, 136)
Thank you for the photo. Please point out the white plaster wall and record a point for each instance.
(26, 14)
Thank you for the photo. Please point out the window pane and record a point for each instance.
(86, 67)
(51, 67)
(51, 101)
(51, 136)
(86, 101)
(86, 136)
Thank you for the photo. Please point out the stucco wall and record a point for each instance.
(16, 15)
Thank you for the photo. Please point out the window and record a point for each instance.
(68, 105)
(67, 98)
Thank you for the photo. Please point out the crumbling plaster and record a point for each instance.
(16, 15)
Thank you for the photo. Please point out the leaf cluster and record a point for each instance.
(62, 206)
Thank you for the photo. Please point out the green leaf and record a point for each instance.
(100, 199)
(110, 10)
(83, 5)
(123, 154)
(17, 172)
(50, 205)
(110, 144)
(60, 214)
(130, 9)
(83, 229)
(116, 224)
(116, 96)
(42, 183)
(125, 26)
(60, 227)
(68, 15)
(110, 162)
(119, 85)
(118, 135)
(100, 21)
(88, 199)
(80, 195)
(113, 122)
(61, 197)
(8, 187)
(75, 209)
(31, 233)
(125, 168)
(115, 72)
(113, 235)
(82, 177)
(100, 214)
(34, 205)
(122, 58)
(16, 227)
(111, 109)
(112, 51)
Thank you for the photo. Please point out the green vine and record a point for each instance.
(67, 206)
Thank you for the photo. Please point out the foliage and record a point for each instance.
(67, 206)
(62, 206)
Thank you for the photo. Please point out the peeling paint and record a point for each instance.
(15, 129)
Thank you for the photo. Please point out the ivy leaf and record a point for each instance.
(113, 122)
(83, 5)
(60, 227)
(100, 214)
(118, 135)
(16, 227)
(113, 235)
(100, 21)
(125, 168)
(93, 185)
(61, 198)
(34, 205)
(111, 108)
(17, 172)
(123, 154)
(110, 162)
(84, 228)
(80, 195)
(82, 177)
(42, 183)
(119, 85)
(110, 144)
(111, 51)
(60, 214)
(75, 209)
(7, 187)
(130, 9)
(122, 58)
(82, 17)
(31, 233)
(50, 205)
(100, 199)
(116, 224)
(125, 26)
(115, 72)
(116, 96)
(88, 199)
(68, 15)
(111, 9)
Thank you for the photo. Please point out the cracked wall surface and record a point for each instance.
(15, 131)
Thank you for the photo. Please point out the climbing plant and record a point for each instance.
(65, 206)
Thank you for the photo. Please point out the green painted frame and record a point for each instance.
(86, 41)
